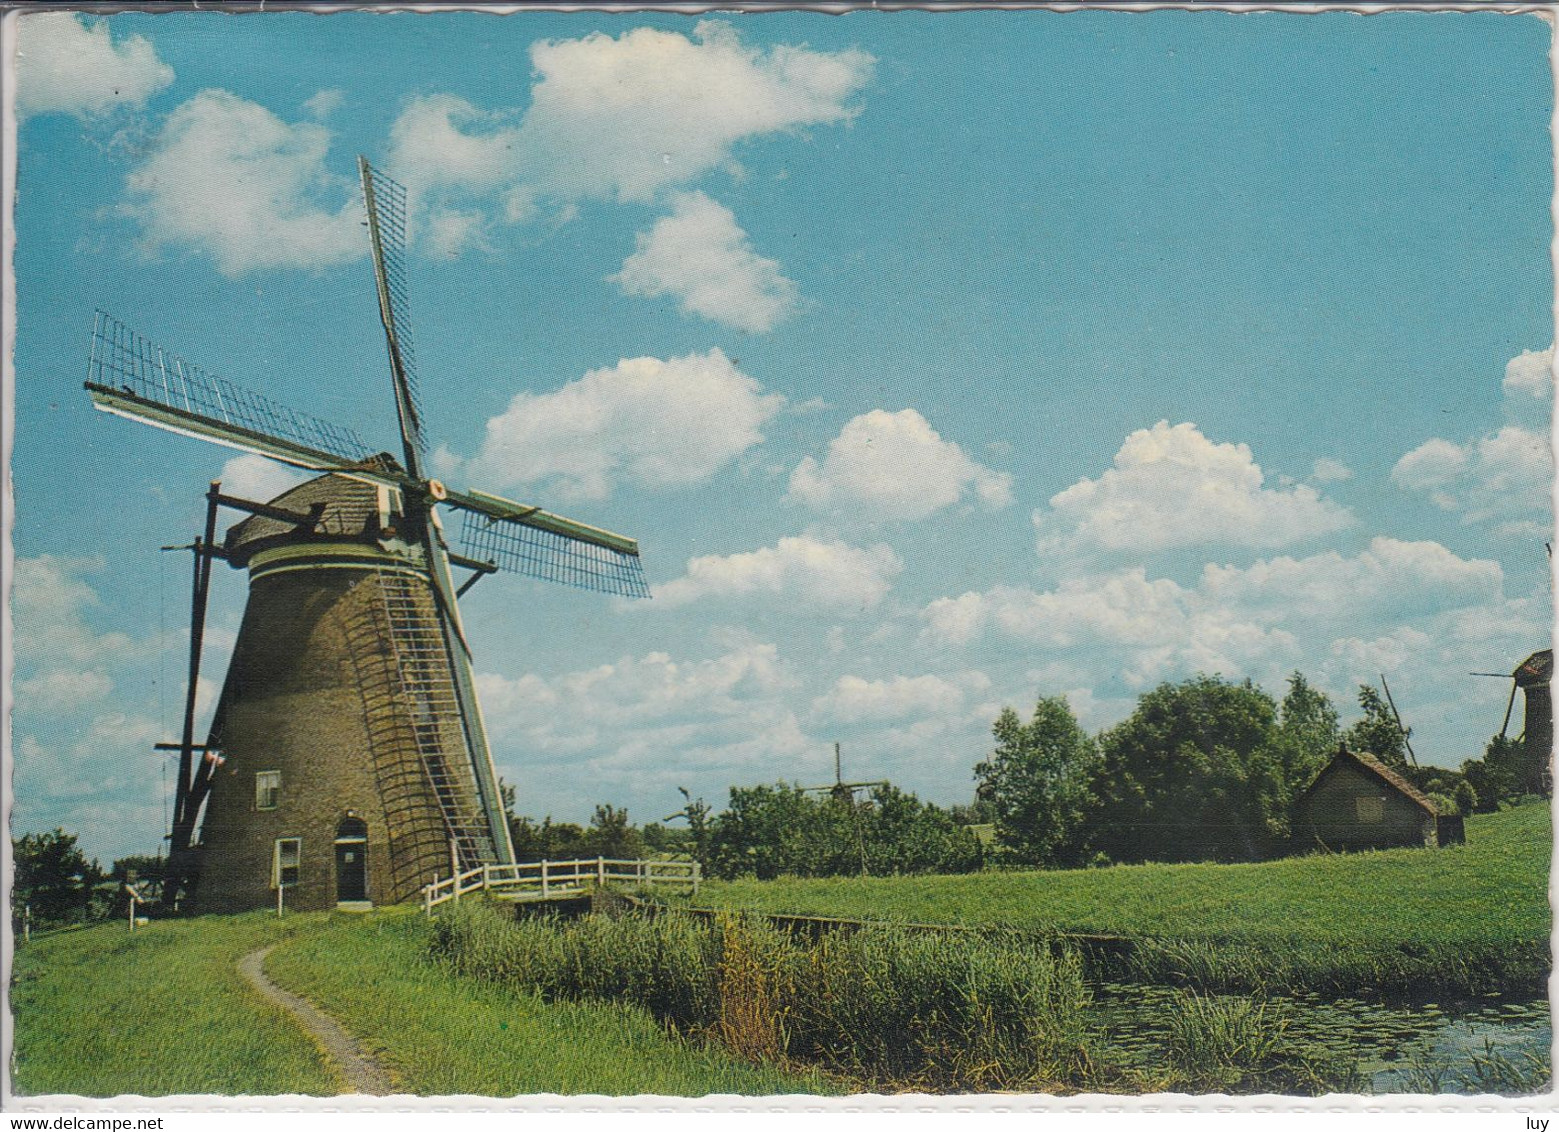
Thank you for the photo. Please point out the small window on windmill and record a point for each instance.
(289, 850)
(267, 789)
(1370, 809)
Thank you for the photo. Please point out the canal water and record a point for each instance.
(1428, 1047)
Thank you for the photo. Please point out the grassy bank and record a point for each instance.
(1467, 919)
(438, 1032)
(101, 1012)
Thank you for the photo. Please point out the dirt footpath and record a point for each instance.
(362, 1073)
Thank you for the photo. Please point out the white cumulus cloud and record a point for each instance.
(228, 179)
(1328, 470)
(1504, 478)
(625, 117)
(629, 118)
(803, 567)
(1258, 620)
(254, 477)
(701, 256)
(886, 465)
(652, 422)
(50, 606)
(67, 66)
(1173, 487)
(854, 699)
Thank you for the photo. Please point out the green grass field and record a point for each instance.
(1468, 918)
(101, 1012)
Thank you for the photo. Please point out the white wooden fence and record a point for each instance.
(557, 880)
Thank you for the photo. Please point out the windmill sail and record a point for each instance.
(524, 546)
(386, 204)
(131, 376)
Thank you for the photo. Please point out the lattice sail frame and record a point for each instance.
(124, 360)
(389, 203)
(552, 557)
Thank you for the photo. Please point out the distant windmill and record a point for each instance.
(1533, 677)
(844, 793)
(839, 788)
(347, 759)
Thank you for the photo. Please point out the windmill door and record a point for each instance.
(351, 860)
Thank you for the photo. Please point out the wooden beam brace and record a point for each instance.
(307, 519)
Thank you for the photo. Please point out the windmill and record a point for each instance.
(1533, 677)
(347, 761)
(843, 793)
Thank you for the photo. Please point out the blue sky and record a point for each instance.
(937, 362)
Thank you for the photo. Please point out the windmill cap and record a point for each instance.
(349, 509)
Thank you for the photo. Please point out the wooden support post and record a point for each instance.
(600, 872)
(544, 888)
(280, 888)
(132, 912)
(697, 868)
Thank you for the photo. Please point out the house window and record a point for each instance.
(1370, 810)
(284, 869)
(267, 789)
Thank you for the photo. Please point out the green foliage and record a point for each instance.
(1037, 783)
(1498, 776)
(1469, 919)
(144, 866)
(1378, 733)
(610, 835)
(547, 840)
(889, 1007)
(780, 830)
(696, 813)
(1308, 732)
(104, 1011)
(660, 838)
(1192, 775)
(53, 878)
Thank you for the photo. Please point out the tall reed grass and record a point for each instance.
(889, 1008)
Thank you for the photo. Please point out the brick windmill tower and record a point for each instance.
(347, 763)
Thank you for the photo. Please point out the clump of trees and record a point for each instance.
(609, 834)
(782, 830)
(1499, 776)
(53, 882)
(1037, 788)
(1203, 769)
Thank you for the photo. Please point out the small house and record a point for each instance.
(1357, 802)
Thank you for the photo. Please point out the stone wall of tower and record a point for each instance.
(296, 703)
